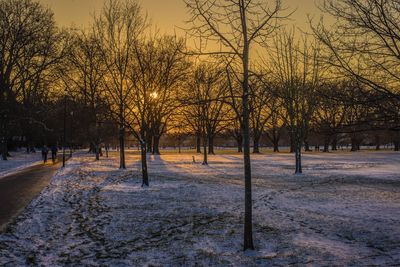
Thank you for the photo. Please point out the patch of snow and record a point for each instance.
(343, 210)
(19, 161)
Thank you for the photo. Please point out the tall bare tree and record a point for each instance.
(236, 25)
(297, 71)
(236, 131)
(276, 122)
(83, 77)
(117, 30)
(171, 70)
(331, 112)
(234, 100)
(260, 114)
(204, 103)
(29, 47)
(144, 98)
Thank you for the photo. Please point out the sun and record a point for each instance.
(154, 95)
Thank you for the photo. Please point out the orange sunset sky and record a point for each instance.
(166, 14)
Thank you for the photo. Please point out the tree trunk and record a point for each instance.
(4, 119)
(256, 144)
(354, 146)
(248, 213)
(211, 145)
(28, 142)
(3, 147)
(305, 140)
(276, 145)
(377, 142)
(326, 143)
(306, 145)
(396, 141)
(292, 144)
(334, 143)
(92, 148)
(145, 175)
(298, 146)
(3, 139)
(299, 168)
(239, 140)
(198, 143)
(156, 145)
(97, 151)
(122, 145)
(275, 140)
(149, 142)
(205, 160)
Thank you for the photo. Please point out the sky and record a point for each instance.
(166, 14)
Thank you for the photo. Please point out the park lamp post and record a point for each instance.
(64, 130)
(71, 134)
(3, 141)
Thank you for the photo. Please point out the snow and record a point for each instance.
(344, 210)
(19, 161)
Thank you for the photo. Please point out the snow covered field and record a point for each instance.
(344, 210)
(19, 161)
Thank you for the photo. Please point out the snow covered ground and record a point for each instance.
(344, 210)
(18, 161)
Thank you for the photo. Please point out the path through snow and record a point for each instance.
(345, 210)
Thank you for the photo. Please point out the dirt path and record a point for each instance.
(17, 190)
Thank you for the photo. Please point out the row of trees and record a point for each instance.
(119, 79)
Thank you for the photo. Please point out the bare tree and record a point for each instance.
(235, 130)
(192, 117)
(331, 112)
(29, 47)
(260, 114)
(204, 103)
(83, 77)
(234, 100)
(171, 70)
(276, 122)
(364, 41)
(156, 73)
(297, 70)
(117, 30)
(145, 96)
(235, 25)
(358, 116)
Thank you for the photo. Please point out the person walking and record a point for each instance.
(45, 151)
(54, 151)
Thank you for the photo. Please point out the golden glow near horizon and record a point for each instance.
(167, 15)
(154, 95)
